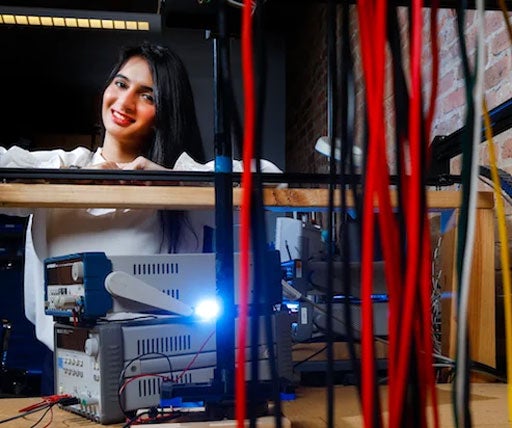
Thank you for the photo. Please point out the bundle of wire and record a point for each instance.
(45, 406)
(411, 377)
(408, 272)
(463, 363)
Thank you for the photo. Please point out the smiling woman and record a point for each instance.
(149, 122)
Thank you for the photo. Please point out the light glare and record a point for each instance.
(207, 310)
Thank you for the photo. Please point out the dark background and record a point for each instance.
(52, 79)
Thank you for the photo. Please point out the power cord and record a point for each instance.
(46, 405)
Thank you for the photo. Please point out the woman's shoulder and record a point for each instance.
(17, 157)
(186, 163)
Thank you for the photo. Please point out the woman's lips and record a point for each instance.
(121, 119)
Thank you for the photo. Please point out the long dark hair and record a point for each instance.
(176, 127)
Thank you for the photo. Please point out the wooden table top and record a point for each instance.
(308, 410)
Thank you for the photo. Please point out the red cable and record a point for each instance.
(245, 209)
(373, 37)
(414, 300)
(414, 224)
(192, 361)
(367, 354)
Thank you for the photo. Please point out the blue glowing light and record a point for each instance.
(207, 310)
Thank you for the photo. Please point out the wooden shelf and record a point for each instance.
(184, 197)
(481, 307)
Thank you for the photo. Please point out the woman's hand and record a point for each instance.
(142, 163)
(105, 165)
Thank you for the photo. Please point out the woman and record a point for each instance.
(149, 122)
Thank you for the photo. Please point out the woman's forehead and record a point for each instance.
(137, 70)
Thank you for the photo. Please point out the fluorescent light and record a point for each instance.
(95, 23)
(58, 21)
(34, 20)
(83, 23)
(71, 22)
(21, 20)
(107, 24)
(47, 21)
(69, 18)
(8, 19)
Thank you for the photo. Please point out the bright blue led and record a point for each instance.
(207, 310)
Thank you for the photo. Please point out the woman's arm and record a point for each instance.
(16, 157)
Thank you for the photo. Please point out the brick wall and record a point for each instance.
(451, 106)
(306, 88)
(307, 78)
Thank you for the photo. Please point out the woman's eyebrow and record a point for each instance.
(143, 87)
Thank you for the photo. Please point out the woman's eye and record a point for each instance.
(120, 84)
(148, 97)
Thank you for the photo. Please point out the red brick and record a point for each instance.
(498, 42)
(452, 101)
(495, 74)
(506, 150)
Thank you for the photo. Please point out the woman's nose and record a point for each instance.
(127, 101)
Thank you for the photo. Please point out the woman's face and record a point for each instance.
(128, 109)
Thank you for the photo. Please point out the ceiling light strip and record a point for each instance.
(73, 22)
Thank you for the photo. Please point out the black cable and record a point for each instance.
(48, 409)
(402, 131)
(134, 419)
(332, 125)
(348, 116)
(467, 158)
(22, 415)
(155, 416)
(258, 232)
(305, 360)
(401, 94)
(121, 380)
(504, 176)
(347, 98)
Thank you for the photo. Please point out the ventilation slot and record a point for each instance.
(186, 378)
(149, 387)
(173, 292)
(164, 345)
(155, 268)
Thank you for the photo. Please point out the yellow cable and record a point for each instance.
(504, 11)
(504, 255)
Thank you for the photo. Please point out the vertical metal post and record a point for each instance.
(224, 374)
